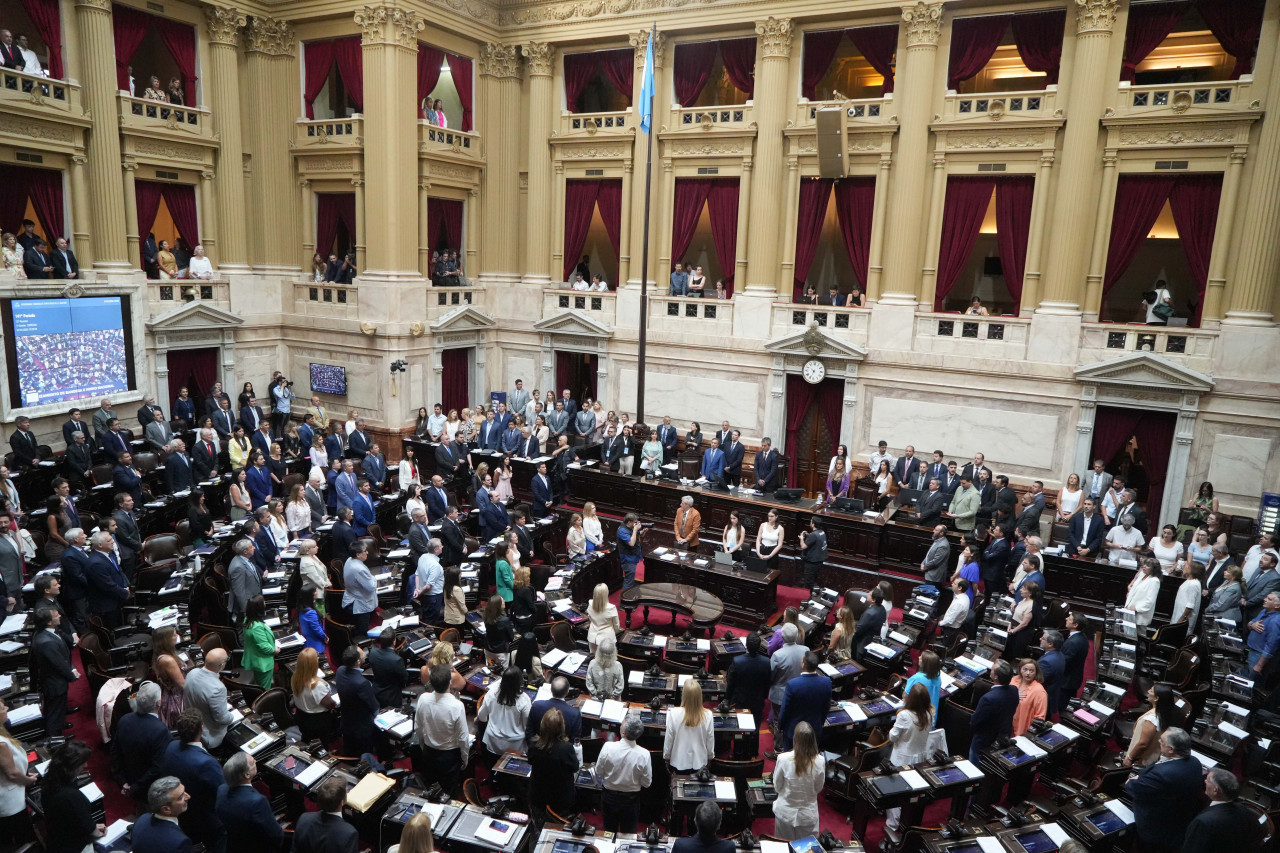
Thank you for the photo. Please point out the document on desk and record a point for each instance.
(1028, 747)
(635, 676)
(990, 844)
(114, 832)
(1068, 733)
(767, 846)
(746, 721)
(725, 790)
(593, 708)
(544, 692)
(496, 832)
(13, 624)
(6, 681)
(704, 645)
(613, 711)
(854, 710)
(312, 774)
(914, 779)
(828, 669)
(24, 714)
(1120, 810)
(388, 720)
(1056, 833)
(967, 768)
(880, 650)
(553, 657)
(572, 662)
(92, 792)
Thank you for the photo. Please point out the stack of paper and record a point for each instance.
(572, 662)
(914, 779)
(1028, 747)
(969, 769)
(553, 657)
(114, 832)
(312, 774)
(725, 790)
(746, 721)
(880, 650)
(496, 832)
(13, 624)
(613, 711)
(24, 714)
(368, 791)
(388, 720)
(592, 707)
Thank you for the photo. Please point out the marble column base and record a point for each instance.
(1055, 336)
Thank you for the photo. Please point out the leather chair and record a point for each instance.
(276, 703)
(562, 636)
(146, 462)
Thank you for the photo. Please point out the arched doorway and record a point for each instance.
(813, 430)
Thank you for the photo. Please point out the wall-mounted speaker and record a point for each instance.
(830, 129)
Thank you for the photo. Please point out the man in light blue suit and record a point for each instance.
(346, 485)
(713, 462)
(510, 438)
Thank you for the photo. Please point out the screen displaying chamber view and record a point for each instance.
(69, 348)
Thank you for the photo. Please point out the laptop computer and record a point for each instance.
(724, 558)
(755, 564)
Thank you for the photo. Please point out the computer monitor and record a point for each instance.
(908, 497)
(847, 505)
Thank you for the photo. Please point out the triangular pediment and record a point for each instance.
(194, 315)
(573, 323)
(464, 318)
(1145, 370)
(814, 342)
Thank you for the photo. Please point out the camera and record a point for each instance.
(399, 366)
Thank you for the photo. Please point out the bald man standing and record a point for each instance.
(206, 693)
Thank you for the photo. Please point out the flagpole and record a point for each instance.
(646, 109)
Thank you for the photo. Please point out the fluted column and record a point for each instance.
(1222, 238)
(1033, 264)
(1101, 234)
(500, 79)
(928, 293)
(129, 190)
(271, 69)
(98, 77)
(389, 50)
(913, 90)
(1064, 281)
(1251, 291)
(308, 220)
(209, 231)
(556, 212)
(624, 226)
(223, 93)
(746, 187)
(875, 256)
(424, 239)
(635, 239)
(764, 274)
(789, 226)
(81, 240)
(540, 60)
(362, 227)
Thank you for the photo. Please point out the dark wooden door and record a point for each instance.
(813, 441)
(577, 372)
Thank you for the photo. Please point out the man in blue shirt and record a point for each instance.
(713, 462)
(1264, 636)
(679, 281)
(430, 580)
(629, 548)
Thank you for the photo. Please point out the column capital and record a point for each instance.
(100, 5)
(224, 23)
(207, 175)
(357, 182)
(388, 24)
(128, 165)
(774, 35)
(540, 57)
(1047, 159)
(1096, 16)
(272, 37)
(304, 183)
(640, 42)
(79, 159)
(924, 23)
(499, 60)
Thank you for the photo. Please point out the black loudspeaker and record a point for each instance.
(830, 128)
(788, 494)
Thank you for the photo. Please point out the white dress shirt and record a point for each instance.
(797, 802)
(506, 722)
(1249, 567)
(956, 612)
(440, 722)
(1188, 596)
(624, 766)
(688, 747)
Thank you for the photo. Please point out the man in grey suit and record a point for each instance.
(937, 561)
(315, 500)
(558, 421)
(419, 536)
(784, 665)
(10, 565)
(1096, 482)
(205, 692)
(518, 399)
(244, 577)
(128, 536)
(158, 432)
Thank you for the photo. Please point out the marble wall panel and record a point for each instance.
(700, 396)
(1238, 463)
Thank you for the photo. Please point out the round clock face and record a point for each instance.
(814, 371)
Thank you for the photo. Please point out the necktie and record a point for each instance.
(1096, 480)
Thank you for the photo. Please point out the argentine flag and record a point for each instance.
(646, 86)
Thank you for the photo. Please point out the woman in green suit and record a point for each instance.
(260, 645)
(508, 560)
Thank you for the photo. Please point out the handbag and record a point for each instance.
(1163, 310)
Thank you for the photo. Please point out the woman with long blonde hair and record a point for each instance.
(416, 836)
(603, 616)
(591, 527)
(15, 824)
(798, 778)
(842, 634)
(311, 693)
(444, 653)
(690, 735)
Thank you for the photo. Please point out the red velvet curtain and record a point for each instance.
(1038, 36)
(47, 20)
(878, 45)
(967, 202)
(347, 53)
(739, 58)
(1237, 26)
(1139, 200)
(1155, 439)
(317, 56)
(1194, 201)
(181, 201)
(579, 68)
(194, 369)
(455, 379)
(722, 206)
(565, 364)
(1112, 427)
(830, 401)
(815, 195)
(609, 199)
(819, 50)
(447, 213)
(1013, 227)
(579, 205)
(330, 209)
(129, 27)
(800, 395)
(44, 187)
(692, 70)
(148, 195)
(1149, 24)
(430, 60)
(464, 82)
(619, 66)
(691, 195)
(973, 43)
(13, 201)
(180, 40)
(855, 200)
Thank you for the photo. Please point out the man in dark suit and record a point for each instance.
(419, 536)
(36, 263)
(436, 498)
(766, 465)
(204, 457)
(53, 663)
(993, 715)
(265, 543)
(447, 460)
(245, 814)
(1028, 521)
(178, 472)
(1226, 824)
(611, 449)
(1086, 531)
(504, 418)
(77, 462)
(490, 432)
(667, 437)
(389, 672)
(201, 774)
(74, 583)
(1167, 795)
(835, 299)
(734, 453)
(358, 443)
(214, 401)
(26, 448)
(806, 700)
(359, 705)
(558, 700)
(158, 830)
(342, 535)
(106, 589)
(932, 502)
(74, 424)
(1075, 651)
(1215, 572)
(128, 536)
(869, 625)
(510, 442)
(147, 413)
(950, 480)
(995, 558)
(10, 56)
(137, 750)
(251, 415)
(493, 515)
(747, 686)
(1128, 506)
(524, 541)
(315, 500)
(529, 447)
(151, 257)
(543, 500)
(453, 539)
(1053, 665)
(713, 463)
(971, 469)
(1006, 497)
(127, 479)
(65, 264)
(325, 831)
(906, 465)
(224, 420)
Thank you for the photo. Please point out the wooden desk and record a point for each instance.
(748, 597)
(703, 608)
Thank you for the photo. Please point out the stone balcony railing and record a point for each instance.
(615, 123)
(442, 300)
(685, 315)
(847, 324)
(146, 117)
(164, 296)
(735, 116)
(600, 305)
(868, 111)
(337, 132)
(447, 140)
(325, 299)
(45, 94)
(960, 334)
(1193, 348)
(1187, 99)
(1033, 104)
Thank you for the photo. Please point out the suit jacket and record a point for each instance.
(375, 470)
(1262, 584)
(993, 716)
(345, 487)
(733, 456)
(1104, 483)
(316, 502)
(1166, 796)
(204, 461)
(668, 436)
(493, 515)
(137, 750)
(517, 400)
(447, 460)
(11, 57)
(806, 700)
(867, 630)
(389, 676)
(1139, 517)
(1224, 828)
(224, 421)
(334, 446)
(64, 263)
(713, 464)
(1054, 665)
(128, 537)
(930, 508)
(437, 503)
(78, 459)
(969, 471)
(177, 472)
(918, 481)
(747, 683)
(994, 560)
(455, 543)
(1074, 653)
(153, 835)
(1215, 573)
(25, 448)
(419, 539)
(248, 820)
(359, 706)
(1028, 520)
(557, 422)
(70, 428)
(245, 582)
(903, 468)
(524, 543)
(74, 566)
(363, 514)
(258, 481)
(766, 465)
(358, 443)
(491, 434)
(34, 262)
(688, 523)
(128, 480)
(201, 774)
(572, 718)
(265, 555)
(250, 417)
(529, 448)
(261, 441)
(53, 657)
(611, 451)
(949, 484)
(342, 536)
(542, 495)
(937, 561)
(1076, 538)
(105, 584)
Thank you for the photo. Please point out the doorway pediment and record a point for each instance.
(815, 343)
(1146, 371)
(573, 323)
(463, 319)
(194, 316)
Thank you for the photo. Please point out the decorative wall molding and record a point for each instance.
(1221, 133)
(390, 25)
(1096, 16)
(272, 37)
(328, 164)
(981, 140)
(224, 24)
(703, 148)
(37, 129)
(169, 150)
(924, 23)
(610, 151)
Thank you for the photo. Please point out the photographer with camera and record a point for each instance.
(629, 550)
(281, 404)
